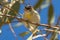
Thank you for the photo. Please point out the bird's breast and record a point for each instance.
(28, 16)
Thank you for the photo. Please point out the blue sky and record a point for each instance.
(6, 32)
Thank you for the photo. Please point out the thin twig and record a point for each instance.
(58, 21)
(21, 19)
(39, 36)
(11, 9)
(12, 30)
(43, 35)
(52, 30)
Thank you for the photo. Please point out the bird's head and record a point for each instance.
(28, 7)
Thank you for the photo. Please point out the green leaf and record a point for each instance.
(38, 4)
(47, 2)
(15, 7)
(54, 35)
(1, 23)
(1, 0)
(22, 1)
(24, 33)
(50, 13)
(50, 16)
(1, 20)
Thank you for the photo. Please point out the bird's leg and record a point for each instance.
(35, 32)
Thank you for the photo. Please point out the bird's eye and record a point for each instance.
(28, 7)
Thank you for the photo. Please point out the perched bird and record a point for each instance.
(33, 16)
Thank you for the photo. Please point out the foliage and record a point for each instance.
(10, 10)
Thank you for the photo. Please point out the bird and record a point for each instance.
(31, 15)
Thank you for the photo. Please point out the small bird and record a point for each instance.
(33, 16)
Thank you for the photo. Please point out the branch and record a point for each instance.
(39, 36)
(10, 9)
(12, 31)
(52, 30)
(24, 20)
(43, 35)
(20, 19)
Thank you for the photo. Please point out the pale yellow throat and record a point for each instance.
(28, 16)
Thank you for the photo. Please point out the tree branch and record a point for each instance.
(21, 19)
(52, 30)
(39, 36)
(10, 9)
